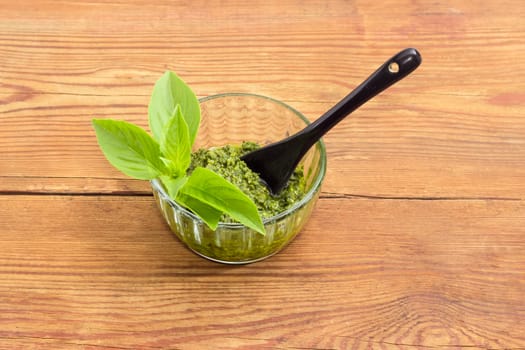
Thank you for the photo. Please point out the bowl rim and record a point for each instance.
(157, 184)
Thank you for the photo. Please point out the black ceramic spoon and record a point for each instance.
(276, 162)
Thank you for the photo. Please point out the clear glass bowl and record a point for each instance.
(232, 119)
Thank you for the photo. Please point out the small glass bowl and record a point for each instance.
(231, 119)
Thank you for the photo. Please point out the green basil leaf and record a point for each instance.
(129, 148)
(212, 189)
(169, 91)
(206, 212)
(173, 185)
(175, 144)
(168, 163)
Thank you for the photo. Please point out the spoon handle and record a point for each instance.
(393, 70)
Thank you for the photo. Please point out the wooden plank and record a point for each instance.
(376, 152)
(90, 271)
(453, 129)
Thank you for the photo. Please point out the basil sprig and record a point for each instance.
(174, 119)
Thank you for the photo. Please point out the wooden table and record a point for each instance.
(417, 241)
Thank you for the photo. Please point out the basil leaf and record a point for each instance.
(173, 185)
(206, 212)
(175, 144)
(169, 91)
(212, 189)
(129, 148)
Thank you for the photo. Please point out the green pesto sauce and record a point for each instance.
(226, 162)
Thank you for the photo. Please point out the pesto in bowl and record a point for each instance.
(226, 162)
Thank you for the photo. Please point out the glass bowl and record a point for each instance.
(232, 119)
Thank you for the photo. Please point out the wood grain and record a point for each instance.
(417, 240)
(444, 274)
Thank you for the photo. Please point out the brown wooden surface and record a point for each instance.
(417, 241)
